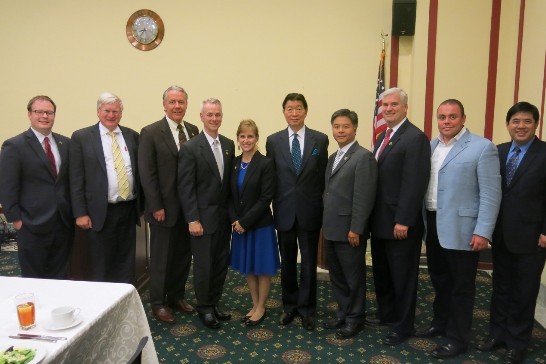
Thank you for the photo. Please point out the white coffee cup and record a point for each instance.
(64, 316)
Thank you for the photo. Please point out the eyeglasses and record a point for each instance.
(41, 112)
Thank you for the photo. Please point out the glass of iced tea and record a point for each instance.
(25, 310)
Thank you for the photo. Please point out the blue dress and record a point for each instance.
(256, 251)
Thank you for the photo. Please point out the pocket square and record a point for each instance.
(315, 152)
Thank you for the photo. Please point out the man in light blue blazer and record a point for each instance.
(462, 203)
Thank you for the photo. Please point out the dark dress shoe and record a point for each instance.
(209, 320)
(394, 338)
(348, 330)
(333, 324)
(220, 315)
(286, 318)
(375, 322)
(513, 356)
(250, 322)
(429, 332)
(308, 323)
(182, 305)
(447, 351)
(163, 314)
(490, 345)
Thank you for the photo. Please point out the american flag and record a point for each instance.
(379, 124)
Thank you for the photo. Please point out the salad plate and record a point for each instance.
(41, 351)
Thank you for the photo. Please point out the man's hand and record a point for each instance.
(195, 228)
(541, 240)
(354, 239)
(84, 222)
(478, 243)
(159, 215)
(238, 228)
(18, 224)
(400, 232)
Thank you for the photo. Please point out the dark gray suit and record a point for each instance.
(204, 197)
(349, 196)
(170, 257)
(30, 192)
(112, 238)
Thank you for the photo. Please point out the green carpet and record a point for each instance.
(188, 341)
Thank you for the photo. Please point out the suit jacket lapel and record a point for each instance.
(209, 155)
(459, 146)
(345, 158)
(251, 169)
(309, 145)
(191, 131)
(392, 142)
(167, 137)
(131, 147)
(285, 142)
(63, 152)
(97, 145)
(525, 163)
(38, 149)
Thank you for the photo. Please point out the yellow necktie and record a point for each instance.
(119, 166)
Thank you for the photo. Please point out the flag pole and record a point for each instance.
(379, 124)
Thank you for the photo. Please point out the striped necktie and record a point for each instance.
(296, 153)
(50, 156)
(119, 166)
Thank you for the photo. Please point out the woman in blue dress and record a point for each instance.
(254, 247)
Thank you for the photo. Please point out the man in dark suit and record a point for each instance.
(204, 167)
(105, 191)
(519, 238)
(300, 155)
(351, 177)
(461, 203)
(170, 257)
(403, 159)
(34, 193)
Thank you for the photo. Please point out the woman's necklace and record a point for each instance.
(244, 165)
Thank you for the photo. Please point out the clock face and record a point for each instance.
(145, 30)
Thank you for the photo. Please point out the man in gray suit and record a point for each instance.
(462, 203)
(105, 191)
(34, 193)
(350, 183)
(170, 257)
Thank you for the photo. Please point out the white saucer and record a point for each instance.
(50, 325)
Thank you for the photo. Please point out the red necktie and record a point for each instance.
(385, 142)
(50, 156)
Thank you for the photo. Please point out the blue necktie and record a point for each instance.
(512, 165)
(296, 153)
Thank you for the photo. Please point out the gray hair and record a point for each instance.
(210, 101)
(396, 91)
(108, 98)
(174, 88)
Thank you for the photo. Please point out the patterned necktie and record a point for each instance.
(336, 161)
(181, 135)
(218, 156)
(385, 142)
(512, 165)
(50, 156)
(296, 153)
(119, 166)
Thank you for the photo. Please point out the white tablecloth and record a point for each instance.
(114, 320)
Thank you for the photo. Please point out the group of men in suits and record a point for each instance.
(96, 176)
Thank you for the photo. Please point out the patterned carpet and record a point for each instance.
(189, 342)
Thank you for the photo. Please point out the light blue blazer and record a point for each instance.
(469, 191)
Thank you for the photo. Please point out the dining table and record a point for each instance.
(110, 324)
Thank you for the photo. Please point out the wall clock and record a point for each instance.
(145, 30)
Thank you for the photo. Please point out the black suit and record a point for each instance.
(204, 197)
(112, 238)
(170, 257)
(404, 169)
(29, 191)
(518, 261)
(297, 210)
(252, 206)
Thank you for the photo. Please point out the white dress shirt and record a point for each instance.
(173, 126)
(301, 138)
(52, 144)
